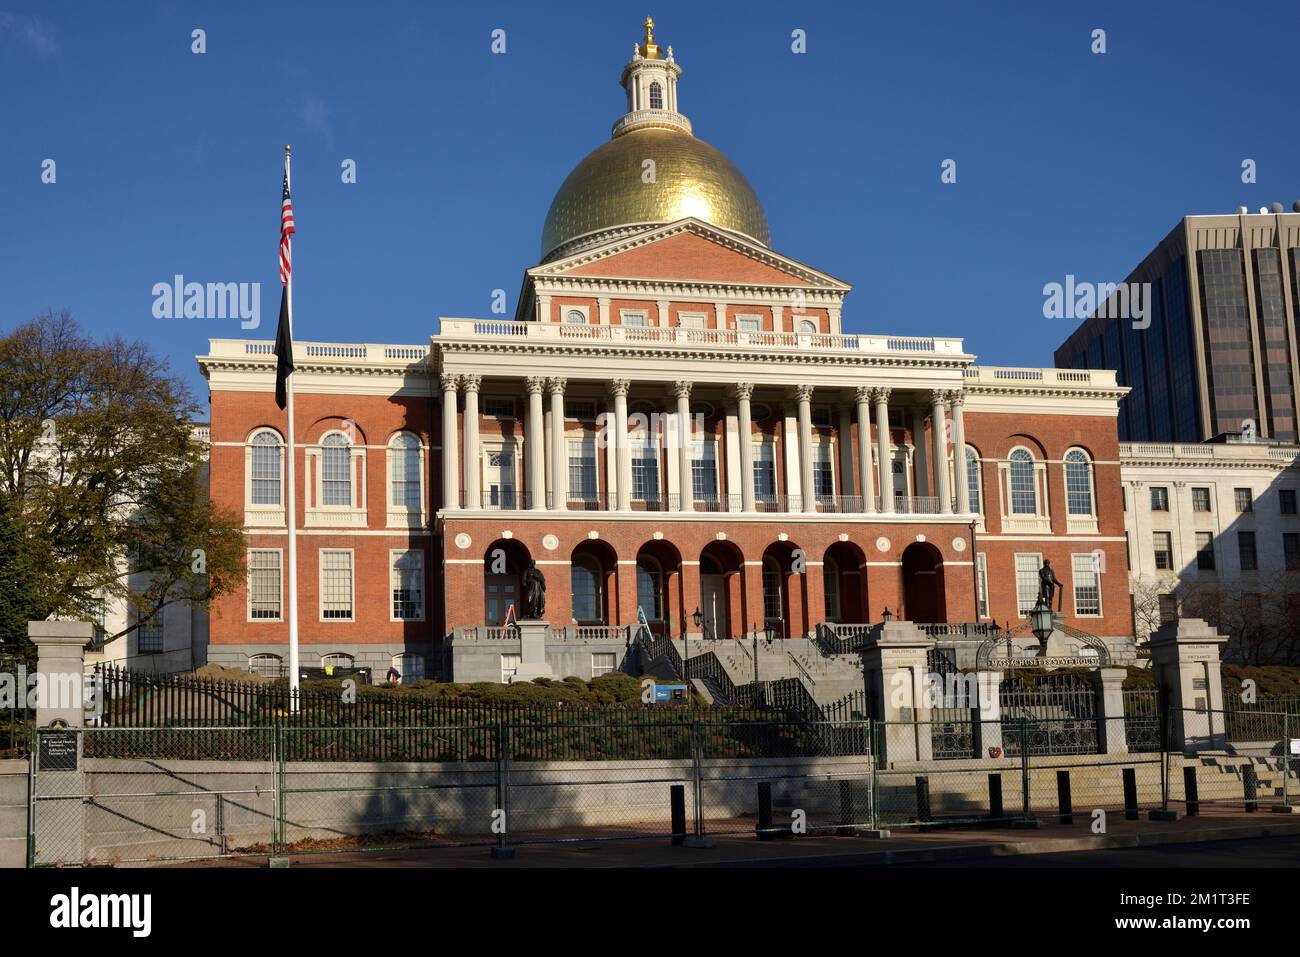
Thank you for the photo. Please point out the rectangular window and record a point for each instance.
(645, 469)
(690, 320)
(1246, 551)
(498, 407)
(602, 663)
(821, 417)
(1168, 608)
(406, 476)
(1159, 498)
(1245, 500)
(982, 583)
(267, 453)
(1087, 584)
(580, 410)
(634, 318)
(407, 579)
(149, 636)
(704, 471)
(764, 471)
(499, 479)
(1205, 551)
(1286, 500)
(1164, 550)
(335, 584)
(1291, 551)
(1200, 499)
(1027, 565)
(582, 469)
(752, 324)
(264, 582)
(823, 470)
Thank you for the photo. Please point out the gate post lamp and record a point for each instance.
(886, 617)
(1040, 622)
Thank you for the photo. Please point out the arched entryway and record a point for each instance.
(591, 577)
(844, 584)
(658, 587)
(784, 591)
(923, 591)
(504, 562)
(721, 565)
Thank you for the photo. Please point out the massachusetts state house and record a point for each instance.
(674, 426)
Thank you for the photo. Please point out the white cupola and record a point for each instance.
(650, 80)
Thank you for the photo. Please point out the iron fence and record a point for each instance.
(15, 717)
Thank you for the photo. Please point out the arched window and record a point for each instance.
(656, 96)
(1078, 483)
(973, 481)
(268, 666)
(831, 589)
(336, 469)
(404, 470)
(337, 660)
(574, 317)
(409, 667)
(772, 605)
(588, 606)
(808, 326)
(1024, 494)
(650, 588)
(268, 459)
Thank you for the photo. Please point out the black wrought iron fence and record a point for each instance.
(1060, 711)
(15, 717)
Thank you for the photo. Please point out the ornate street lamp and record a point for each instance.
(1040, 622)
(886, 617)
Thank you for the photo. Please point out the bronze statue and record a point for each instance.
(1047, 583)
(534, 584)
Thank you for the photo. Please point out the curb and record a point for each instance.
(966, 852)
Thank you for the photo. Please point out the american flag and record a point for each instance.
(286, 230)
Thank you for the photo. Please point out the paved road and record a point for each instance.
(1255, 852)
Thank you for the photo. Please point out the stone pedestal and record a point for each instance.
(1108, 685)
(60, 648)
(1185, 664)
(896, 671)
(532, 651)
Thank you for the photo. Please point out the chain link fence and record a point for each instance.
(1250, 761)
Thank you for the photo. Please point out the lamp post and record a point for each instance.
(1040, 622)
(886, 617)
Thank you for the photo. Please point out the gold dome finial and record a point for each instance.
(649, 49)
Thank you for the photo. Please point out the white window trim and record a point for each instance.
(982, 584)
(1074, 591)
(483, 401)
(979, 488)
(1041, 521)
(352, 515)
(746, 317)
(643, 313)
(248, 587)
(403, 516)
(584, 435)
(603, 654)
(393, 554)
(320, 587)
(692, 448)
(501, 445)
(1080, 524)
(262, 516)
(693, 320)
(1038, 563)
(572, 307)
(513, 659)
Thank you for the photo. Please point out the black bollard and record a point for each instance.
(1063, 797)
(1131, 794)
(922, 798)
(764, 826)
(1250, 785)
(677, 800)
(1190, 795)
(995, 795)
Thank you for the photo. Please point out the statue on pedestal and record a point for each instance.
(534, 586)
(1047, 583)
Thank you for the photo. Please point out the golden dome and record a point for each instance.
(606, 190)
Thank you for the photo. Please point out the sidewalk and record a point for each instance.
(904, 845)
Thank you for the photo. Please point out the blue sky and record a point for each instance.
(1067, 161)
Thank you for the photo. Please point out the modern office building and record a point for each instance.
(674, 427)
(1217, 352)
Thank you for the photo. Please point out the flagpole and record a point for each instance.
(292, 604)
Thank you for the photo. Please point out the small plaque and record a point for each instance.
(1200, 684)
(1295, 745)
(58, 751)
